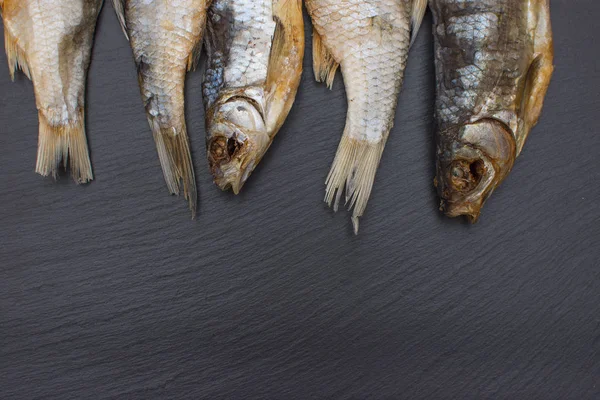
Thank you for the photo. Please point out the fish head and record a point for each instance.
(237, 140)
(475, 164)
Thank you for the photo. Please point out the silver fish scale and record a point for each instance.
(239, 39)
(163, 34)
(57, 71)
(479, 58)
(370, 39)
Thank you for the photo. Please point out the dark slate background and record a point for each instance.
(109, 290)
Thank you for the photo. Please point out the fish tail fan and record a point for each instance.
(176, 161)
(66, 142)
(17, 59)
(324, 65)
(354, 168)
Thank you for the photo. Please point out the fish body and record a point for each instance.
(51, 42)
(369, 40)
(255, 50)
(493, 67)
(166, 39)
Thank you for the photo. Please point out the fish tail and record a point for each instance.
(17, 59)
(176, 161)
(354, 168)
(66, 142)
(324, 65)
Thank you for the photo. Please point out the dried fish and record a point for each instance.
(51, 42)
(166, 39)
(493, 67)
(255, 50)
(369, 40)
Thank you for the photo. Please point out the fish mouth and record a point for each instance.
(479, 161)
(237, 141)
(231, 161)
(469, 182)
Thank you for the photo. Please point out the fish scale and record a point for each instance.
(484, 74)
(163, 53)
(246, 29)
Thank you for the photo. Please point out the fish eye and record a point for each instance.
(466, 175)
(457, 172)
(461, 178)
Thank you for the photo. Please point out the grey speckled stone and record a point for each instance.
(110, 291)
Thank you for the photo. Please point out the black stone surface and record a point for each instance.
(110, 291)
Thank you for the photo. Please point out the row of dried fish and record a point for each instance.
(493, 66)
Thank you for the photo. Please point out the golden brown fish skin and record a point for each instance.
(51, 42)
(166, 38)
(255, 50)
(493, 67)
(370, 41)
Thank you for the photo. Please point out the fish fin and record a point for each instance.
(119, 6)
(285, 61)
(354, 168)
(67, 143)
(288, 40)
(324, 65)
(418, 12)
(176, 161)
(539, 73)
(17, 58)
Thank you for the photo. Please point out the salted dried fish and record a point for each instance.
(51, 42)
(493, 66)
(166, 39)
(255, 50)
(369, 40)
